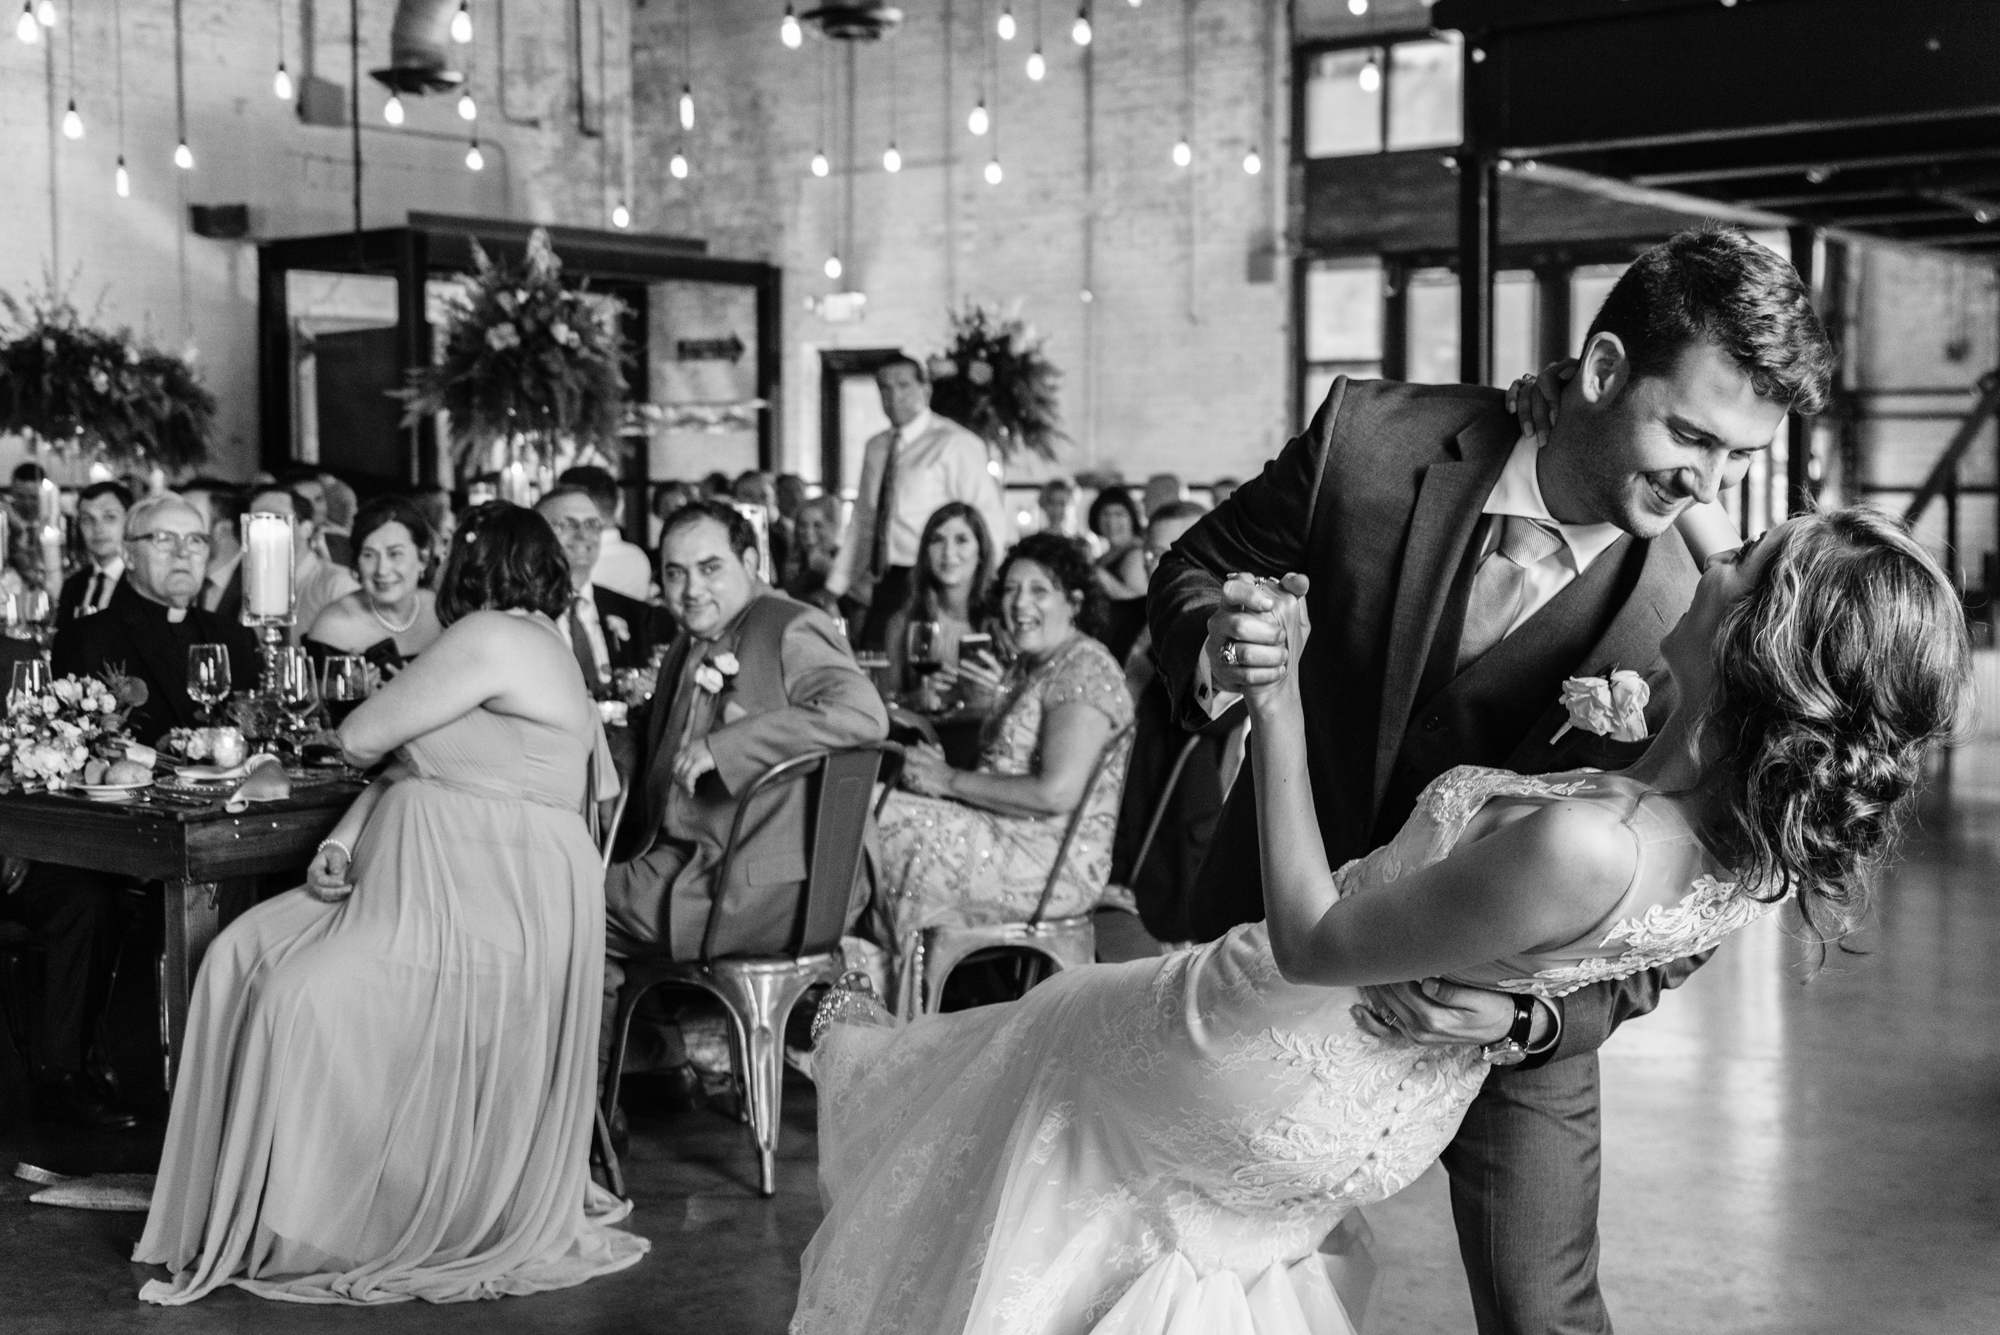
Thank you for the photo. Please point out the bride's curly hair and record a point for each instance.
(1834, 677)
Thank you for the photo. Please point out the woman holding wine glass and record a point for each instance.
(391, 618)
(947, 602)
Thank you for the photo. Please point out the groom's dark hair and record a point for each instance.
(1715, 283)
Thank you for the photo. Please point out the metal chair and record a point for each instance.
(1058, 943)
(758, 992)
(601, 1147)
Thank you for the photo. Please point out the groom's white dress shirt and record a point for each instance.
(1518, 492)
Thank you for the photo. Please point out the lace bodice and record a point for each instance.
(1082, 671)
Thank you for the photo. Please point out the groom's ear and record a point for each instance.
(1604, 369)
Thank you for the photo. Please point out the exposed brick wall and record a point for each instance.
(1180, 362)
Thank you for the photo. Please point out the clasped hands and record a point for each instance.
(1257, 633)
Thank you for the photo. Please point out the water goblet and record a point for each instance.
(295, 683)
(31, 678)
(208, 677)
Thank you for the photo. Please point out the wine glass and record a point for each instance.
(31, 678)
(34, 611)
(924, 651)
(295, 683)
(11, 621)
(346, 684)
(208, 677)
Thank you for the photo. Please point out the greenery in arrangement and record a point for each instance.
(995, 380)
(71, 385)
(527, 362)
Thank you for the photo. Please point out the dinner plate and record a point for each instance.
(112, 792)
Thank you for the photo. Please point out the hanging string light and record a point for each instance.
(789, 31)
(25, 27)
(1357, 7)
(45, 13)
(72, 123)
(1006, 27)
(392, 110)
(1183, 153)
(992, 173)
(832, 266)
(183, 155)
(1079, 32)
(678, 164)
(281, 82)
(461, 24)
(468, 110)
(687, 106)
(892, 161)
(474, 159)
(979, 121)
(121, 180)
(1252, 163)
(1370, 77)
(820, 165)
(621, 217)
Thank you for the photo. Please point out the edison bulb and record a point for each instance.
(474, 159)
(1371, 77)
(45, 13)
(621, 217)
(832, 266)
(789, 31)
(892, 161)
(1079, 32)
(1183, 154)
(993, 172)
(72, 123)
(687, 107)
(678, 166)
(979, 122)
(461, 24)
(1006, 26)
(1357, 7)
(1252, 163)
(281, 83)
(820, 166)
(392, 110)
(1037, 67)
(468, 110)
(122, 179)
(26, 28)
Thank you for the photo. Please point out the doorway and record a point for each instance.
(850, 412)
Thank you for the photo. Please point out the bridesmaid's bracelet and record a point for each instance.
(325, 844)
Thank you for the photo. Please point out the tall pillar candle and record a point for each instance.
(267, 567)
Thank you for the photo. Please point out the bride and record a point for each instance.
(1178, 1135)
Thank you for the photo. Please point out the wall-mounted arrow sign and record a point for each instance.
(709, 349)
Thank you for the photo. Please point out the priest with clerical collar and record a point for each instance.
(153, 619)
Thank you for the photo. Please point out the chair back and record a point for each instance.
(840, 785)
(1161, 803)
(1114, 754)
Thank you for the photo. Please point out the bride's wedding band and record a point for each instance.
(1387, 1019)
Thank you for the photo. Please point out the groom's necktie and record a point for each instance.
(885, 508)
(1500, 585)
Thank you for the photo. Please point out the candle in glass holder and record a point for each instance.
(52, 555)
(267, 567)
(48, 505)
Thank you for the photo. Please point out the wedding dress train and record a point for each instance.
(1158, 1147)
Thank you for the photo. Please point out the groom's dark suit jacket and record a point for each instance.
(1378, 502)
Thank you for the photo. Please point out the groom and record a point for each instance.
(1460, 571)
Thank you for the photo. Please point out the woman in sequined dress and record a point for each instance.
(1169, 1141)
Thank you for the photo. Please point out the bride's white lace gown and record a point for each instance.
(1178, 1135)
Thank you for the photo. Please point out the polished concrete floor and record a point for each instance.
(1782, 1156)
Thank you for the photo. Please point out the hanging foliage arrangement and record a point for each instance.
(77, 388)
(527, 363)
(995, 380)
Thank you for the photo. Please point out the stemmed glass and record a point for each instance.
(346, 684)
(31, 678)
(208, 677)
(924, 652)
(295, 682)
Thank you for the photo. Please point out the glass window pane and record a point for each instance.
(1319, 379)
(1432, 350)
(1344, 312)
(1589, 285)
(1516, 329)
(1424, 93)
(1344, 118)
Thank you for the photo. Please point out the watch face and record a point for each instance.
(1504, 1053)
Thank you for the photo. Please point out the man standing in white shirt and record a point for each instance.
(100, 522)
(907, 472)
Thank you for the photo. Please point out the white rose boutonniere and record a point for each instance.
(1613, 707)
(716, 672)
(617, 628)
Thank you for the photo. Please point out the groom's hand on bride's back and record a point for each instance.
(1438, 1012)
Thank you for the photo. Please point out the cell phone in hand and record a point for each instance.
(976, 643)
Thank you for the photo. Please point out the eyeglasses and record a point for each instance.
(584, 528)
(177, 544)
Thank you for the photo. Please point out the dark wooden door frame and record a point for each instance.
(835, 365)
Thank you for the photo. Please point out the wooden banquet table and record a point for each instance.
(193, 849)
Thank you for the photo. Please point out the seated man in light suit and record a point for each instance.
(754, 678)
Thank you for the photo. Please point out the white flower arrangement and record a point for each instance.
(1613, 707)
(48, 738)
(716, 672)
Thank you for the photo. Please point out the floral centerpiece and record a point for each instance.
(73, 386)
(996, 380)
(50, 738)
(527, 363)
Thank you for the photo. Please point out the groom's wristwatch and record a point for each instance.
(1512, 1048)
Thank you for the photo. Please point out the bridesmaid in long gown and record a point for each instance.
(1159, 1147)
(387, 1086)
